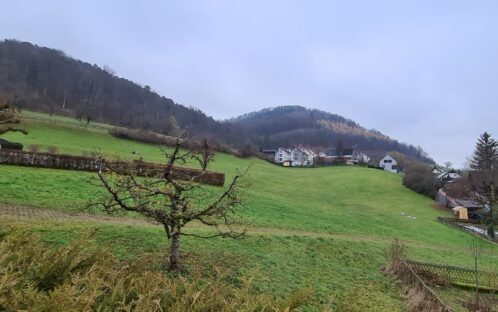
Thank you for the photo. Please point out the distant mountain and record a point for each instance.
(296, 125)
(48, 80)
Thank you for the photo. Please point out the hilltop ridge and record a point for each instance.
(50, 81)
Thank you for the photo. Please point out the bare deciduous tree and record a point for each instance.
(203, 154)
(173, 201)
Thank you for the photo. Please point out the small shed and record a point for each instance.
(461, 212)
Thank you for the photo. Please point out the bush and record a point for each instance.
(34, 148)
(81, 278)
(419, 178)
(53, 149)
(11, 145)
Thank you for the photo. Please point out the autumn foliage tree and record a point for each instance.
(173, 200)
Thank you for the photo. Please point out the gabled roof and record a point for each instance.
(441, 168)
(447, 173)
(335, 152)
(288, 151)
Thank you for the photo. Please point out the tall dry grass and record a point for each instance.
(35, 277)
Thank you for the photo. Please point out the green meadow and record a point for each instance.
(321, 228)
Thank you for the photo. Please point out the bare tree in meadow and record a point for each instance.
(203, 154)
(174, 200)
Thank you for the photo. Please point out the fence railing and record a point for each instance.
(411, 278)
(468, 226)
(457, 275)
(468, 221)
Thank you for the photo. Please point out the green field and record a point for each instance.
(323, 228)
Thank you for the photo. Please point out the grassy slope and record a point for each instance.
(362, 207)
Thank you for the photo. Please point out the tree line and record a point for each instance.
(50, 81)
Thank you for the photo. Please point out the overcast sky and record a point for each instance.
(423, 72)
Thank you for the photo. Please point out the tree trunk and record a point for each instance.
(174, 257)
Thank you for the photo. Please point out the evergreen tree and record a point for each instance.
(8, 118)
(486, 153)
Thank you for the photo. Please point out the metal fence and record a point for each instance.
(469, 226)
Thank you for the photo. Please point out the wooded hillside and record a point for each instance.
(48, 80)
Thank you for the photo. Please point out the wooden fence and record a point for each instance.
(457, 275)
(410, 278)
(70, 162)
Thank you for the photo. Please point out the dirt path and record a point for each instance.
(25, 213)
(17, 212)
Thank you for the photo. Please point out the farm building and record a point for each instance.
(475, 209)
(388, 163)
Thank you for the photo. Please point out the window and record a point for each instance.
(394, 167)
(388, 161)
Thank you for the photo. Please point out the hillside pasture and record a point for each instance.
(321, 228)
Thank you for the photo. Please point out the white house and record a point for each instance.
(283, 155)
(448, 176)
(437, 170)
(294, 157)
(388, 163)
(302, 157)
(361, 158)
(309, 157)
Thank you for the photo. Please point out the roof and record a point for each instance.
(448, 173)
(268, 151)
(284, 149)
(335, 152)
(469, 203)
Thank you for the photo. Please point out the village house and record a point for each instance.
(388, 163)
(334, 156)
(295, 157)
(361, 158)
(445, 174)
(283, 156)
(448, 176)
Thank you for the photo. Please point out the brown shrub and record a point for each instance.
(81, 278)
(53, 149)
(419, 178)
(34, 148)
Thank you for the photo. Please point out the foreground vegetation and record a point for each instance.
(326, 229)
(76, 277)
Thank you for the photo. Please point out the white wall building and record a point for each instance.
(283, 155)
(389, 163)
(295, 157)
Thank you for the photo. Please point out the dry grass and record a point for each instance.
(80, 278)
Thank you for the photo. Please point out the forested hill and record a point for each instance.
(48, 80)
(294, 125)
